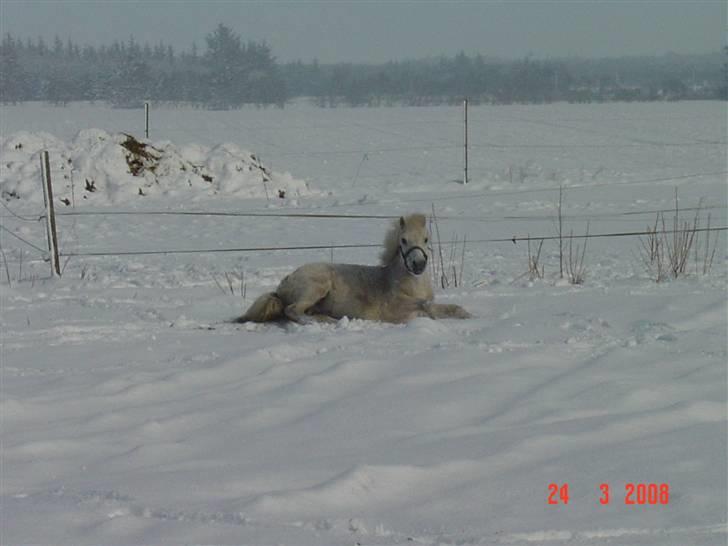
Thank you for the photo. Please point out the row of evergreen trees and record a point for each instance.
(448, 80)
(230, 73)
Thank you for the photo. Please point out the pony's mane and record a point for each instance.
(391, 239)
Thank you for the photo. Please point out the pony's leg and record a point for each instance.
(296, 314)
(303, 318)
(312, 295)
(445, 310)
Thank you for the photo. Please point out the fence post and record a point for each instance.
(146, 120)
(50, 215)
(465, 108)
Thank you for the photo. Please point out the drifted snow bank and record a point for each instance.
(100, 168)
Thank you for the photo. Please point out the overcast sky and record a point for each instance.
(373, 31)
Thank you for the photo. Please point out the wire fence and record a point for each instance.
(513, 240)
(422, 143)
(302, 215)
(330, 246)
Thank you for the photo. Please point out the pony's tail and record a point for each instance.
(266, 308)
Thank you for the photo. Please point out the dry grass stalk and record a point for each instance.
(438, 273)
(462, 259)
(535, 269)
(560, 227)
(709, 255)
(575, 265)
(214, 278)
(431, 248)
(651, 245)
(231, 280)
(677, 247)
(651, 251)
(446, 274)
(5, 262)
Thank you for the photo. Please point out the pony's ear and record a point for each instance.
(401, 221)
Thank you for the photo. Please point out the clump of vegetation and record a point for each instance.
(573, 263)
(446, 273)
(665, 251)
(233, 283)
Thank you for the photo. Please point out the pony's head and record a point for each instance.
(407, 240)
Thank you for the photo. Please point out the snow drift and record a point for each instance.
(100, 168)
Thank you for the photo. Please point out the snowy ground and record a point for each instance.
(133, 414)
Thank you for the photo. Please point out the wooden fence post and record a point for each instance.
(45, 169)
(465, 108)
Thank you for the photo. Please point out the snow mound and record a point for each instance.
(100, 168)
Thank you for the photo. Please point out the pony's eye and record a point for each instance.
(404, 241)
(427, 240)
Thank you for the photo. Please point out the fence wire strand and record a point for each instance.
(21, 217)
(514, 240)
(39, 249)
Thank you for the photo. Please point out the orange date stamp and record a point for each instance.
(637, 494)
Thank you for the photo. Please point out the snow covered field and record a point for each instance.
(132, 413)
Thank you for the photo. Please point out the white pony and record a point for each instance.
(395, 291)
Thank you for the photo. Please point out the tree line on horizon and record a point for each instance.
(231, 73)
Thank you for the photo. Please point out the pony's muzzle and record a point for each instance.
(415, 260)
